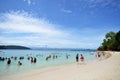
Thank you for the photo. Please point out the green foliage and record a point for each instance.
(111, 42)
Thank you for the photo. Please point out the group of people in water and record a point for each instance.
(34, 59)
(9, 60)
(81, 58)
(49, 57)
(29, 58)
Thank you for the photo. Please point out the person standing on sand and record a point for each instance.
(77, 57)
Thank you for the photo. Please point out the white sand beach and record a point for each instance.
(107, 69)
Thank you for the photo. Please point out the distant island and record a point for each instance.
(69, 49)
(13, 47)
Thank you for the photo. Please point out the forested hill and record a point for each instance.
(13, 47)
(111, 42)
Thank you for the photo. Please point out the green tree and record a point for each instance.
(111, 42)
(117, 41)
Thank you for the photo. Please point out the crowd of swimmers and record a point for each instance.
(34, 59)
(9, 60)
(49, 57)
(29, 58)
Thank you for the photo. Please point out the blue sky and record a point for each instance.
(58, 23)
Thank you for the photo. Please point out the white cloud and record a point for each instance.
(23, 23)
(40, 31)
(66, 11)
(100, 3)
(29, 2)
(15, 25)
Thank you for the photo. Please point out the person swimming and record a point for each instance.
(15, 58)
(34, 60)
(31, 59)
(67, 56)
(19, 63)
(28, 58)
(9, 61)
(98, 55)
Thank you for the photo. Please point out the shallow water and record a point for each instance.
(41, 55)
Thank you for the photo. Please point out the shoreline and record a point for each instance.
(106, 69)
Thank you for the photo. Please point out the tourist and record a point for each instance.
(19, 63)
(9, 61)
(81, 58)
(35, 60)
(98, 55)
(77, 57)
(31, 59)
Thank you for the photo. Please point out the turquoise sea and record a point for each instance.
(40, 55)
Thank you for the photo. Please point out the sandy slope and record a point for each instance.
(107, 69)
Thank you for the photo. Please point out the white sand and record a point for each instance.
(107, 69)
